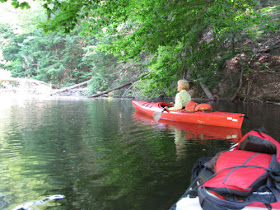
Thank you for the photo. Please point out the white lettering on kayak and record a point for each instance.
(232, 119)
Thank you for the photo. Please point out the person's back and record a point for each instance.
(183, 97)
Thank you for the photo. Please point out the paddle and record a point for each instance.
(157, 115)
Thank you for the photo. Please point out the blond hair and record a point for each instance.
(184, 84)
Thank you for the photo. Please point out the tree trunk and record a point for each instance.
(233, 43)
(71, 87)
(207, 92)
(240, 85)
(108, 91)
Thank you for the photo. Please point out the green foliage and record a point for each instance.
(194, 36)
(163, 71)
(48, 57)
(173, 32)
(17, 4)
(105, 70)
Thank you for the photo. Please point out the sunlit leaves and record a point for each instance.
(163, 71)
(17, 4)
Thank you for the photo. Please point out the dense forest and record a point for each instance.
(227, 49)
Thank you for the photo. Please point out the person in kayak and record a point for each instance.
(182, 98)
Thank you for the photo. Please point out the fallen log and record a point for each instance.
(70, 87)
(117, 96)
(207, 92)
(108, 91)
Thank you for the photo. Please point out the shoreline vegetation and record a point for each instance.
(31, 88)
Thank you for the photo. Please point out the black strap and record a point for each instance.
(261, 130)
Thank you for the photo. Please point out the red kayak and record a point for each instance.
(224, 119)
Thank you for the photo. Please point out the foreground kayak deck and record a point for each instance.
(224, 119)
(187, 202)
(238, 178)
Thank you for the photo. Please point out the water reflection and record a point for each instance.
(100, 154)
(89, 151)
(187, 133)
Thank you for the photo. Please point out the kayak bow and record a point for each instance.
(224, 119)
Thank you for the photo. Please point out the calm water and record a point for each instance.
(100, 154)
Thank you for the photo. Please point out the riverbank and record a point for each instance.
(264, 87)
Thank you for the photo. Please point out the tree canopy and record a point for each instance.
(190, 38)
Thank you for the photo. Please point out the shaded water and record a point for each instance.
(100, 154)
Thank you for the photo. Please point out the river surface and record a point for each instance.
(101, 154)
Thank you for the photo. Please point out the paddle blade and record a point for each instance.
(157, 116)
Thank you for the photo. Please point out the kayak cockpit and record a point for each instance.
(162, 105)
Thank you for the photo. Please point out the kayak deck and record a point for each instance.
(187, 202)
(224, 119)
